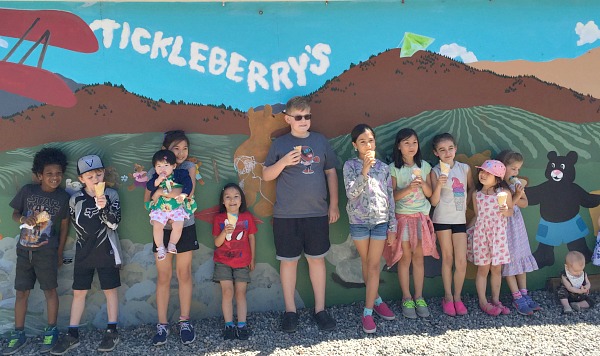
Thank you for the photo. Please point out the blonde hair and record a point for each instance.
(573, 257)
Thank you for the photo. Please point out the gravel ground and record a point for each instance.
(547, 332)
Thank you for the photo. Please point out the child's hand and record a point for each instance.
(585, 289)
(229, 228)
(292, 158)
(442, 180)
(101, 201)
(334, 213)
(416, 183)
(252, 265)
(391, 238)
(502, 208)
(180, 198)
(519, 190)
(30, 220)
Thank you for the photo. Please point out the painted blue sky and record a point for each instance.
(268, 34)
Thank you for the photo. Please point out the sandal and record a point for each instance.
(161, 253)
(491, 309)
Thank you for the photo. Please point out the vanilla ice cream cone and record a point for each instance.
(99, 189)
(444, 168)
(231, 220)
(42, 217)
(298, 148)
(416, 172)
(515, 181)
(502, 196)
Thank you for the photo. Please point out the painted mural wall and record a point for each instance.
(110, 78)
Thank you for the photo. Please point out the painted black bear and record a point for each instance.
(559, 199)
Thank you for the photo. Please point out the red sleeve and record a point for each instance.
(251, 225)
(218, 224)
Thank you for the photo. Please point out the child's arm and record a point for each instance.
(192, 174)
(470, 185)
(332, 184)
(587, 285)
(426, 187)
(253, 250)
(354, 183)
(436, 184)
(62, 240)
(519, 197)
(153, 182)
(220, 238)
(507, 209)
(111, 213)
(273, 171)
(474, 219)
(21, 219)
(565, 282)
(401, 193)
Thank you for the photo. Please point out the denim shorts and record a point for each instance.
(365, 231)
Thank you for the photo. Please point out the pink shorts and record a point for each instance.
(162, 217)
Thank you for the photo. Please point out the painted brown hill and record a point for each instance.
(580, 74)
(106, 109)
(386, 88)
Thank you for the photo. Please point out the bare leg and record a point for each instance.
(21, 308)
(418, 271)
(317, 271)
(370, 252)
(240, 301)
(227, 300)
(163, 287)
(183, 266)
(112, 304)
(481, 283)
(158, 233)
(52, 305)
(522, 280)
(512, 283)
(403, 270)
(287, 274)
(176, 229)
(77, 306)
(445, 239)
(459, 241)
(495, 282)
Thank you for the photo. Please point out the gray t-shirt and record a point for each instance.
(186, 165)
(302, 189)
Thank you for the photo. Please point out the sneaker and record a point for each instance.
(64, 344)
(109, 340)
(532, 304)
(448, 307)
(422, 308)
(171, 248)
(161, 253)
(325, 321)
(460, 308)
(368, 324)
(229, 333)
(384, 311)
(522, 307)
(186, 332)
(161, 335)
(503, 310)
(17, 341)
(243, 333)
(408, 309)
(50, 339)
(289, 323)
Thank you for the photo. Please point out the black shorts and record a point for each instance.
(109, 278)
(296, 235)
(40, 265)
(187, 242)
(456, 228)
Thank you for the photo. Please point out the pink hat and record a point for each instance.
(493, 167)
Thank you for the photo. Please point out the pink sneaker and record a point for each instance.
(504, 310)
(448, 307)
(384, 311)
(368, 324)
(460, 308)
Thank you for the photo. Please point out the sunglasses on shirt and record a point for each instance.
(300, 117)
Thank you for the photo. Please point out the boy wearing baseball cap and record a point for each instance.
(95, 213)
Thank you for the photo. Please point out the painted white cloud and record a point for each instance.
(3, 43)
(454, 50)
(588, 33)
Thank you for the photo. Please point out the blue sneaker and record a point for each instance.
(49, 339)
(186, 332)
(532, 305)
(17, 341)
(161, 335)
(522, 307)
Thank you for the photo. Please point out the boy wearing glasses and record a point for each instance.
(303, 163)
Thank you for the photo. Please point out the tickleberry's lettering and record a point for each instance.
(217, 61)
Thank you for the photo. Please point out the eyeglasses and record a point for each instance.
(300, 117)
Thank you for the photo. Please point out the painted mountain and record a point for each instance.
(580, 74)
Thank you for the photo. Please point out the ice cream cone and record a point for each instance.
(371, 154)
(99, 189)
(231, 220)
(416, 172)
(42, 217)
(298, 148)
(502, 196)
(444, 168)
(515, 181)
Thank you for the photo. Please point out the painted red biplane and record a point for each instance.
(49, 28)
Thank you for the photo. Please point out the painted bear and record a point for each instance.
(559, 199)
